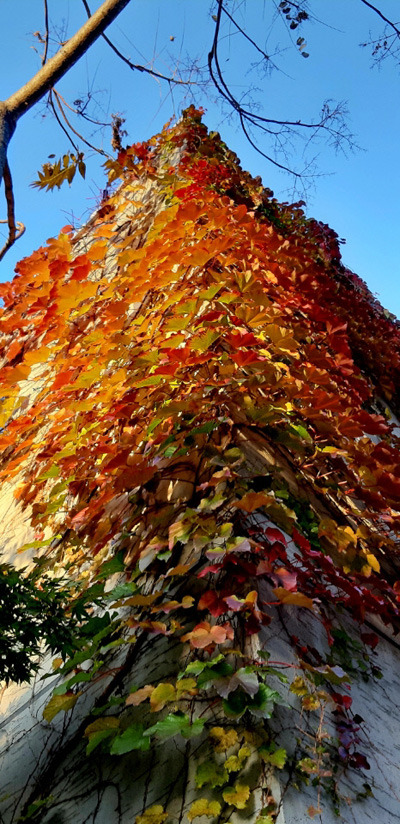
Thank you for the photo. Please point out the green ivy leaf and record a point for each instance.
(196, 667)
(115, 564)
(96, 739)
(76, 679)
(176, 723)
(300, 430)
(262, 705)
(211, 773)
(121, 591)
(220, 670)
(277, 758)
(247, 679)
(235, 705)
(132, 738)
(335, 675)
(34, 808)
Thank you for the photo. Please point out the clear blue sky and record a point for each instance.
(357, 195)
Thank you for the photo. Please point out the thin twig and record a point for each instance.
(267, 157)
(59, 121)
(136, 66)
(46, 35)
(80, 112)
(15, 228)
(95, 148)
(245, 35)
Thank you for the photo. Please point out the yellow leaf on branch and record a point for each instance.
(204, 807)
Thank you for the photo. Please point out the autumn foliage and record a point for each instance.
(196, 392)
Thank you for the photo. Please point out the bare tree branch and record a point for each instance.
(29, 94)
(224, 90)
(382, 16)
(15, 228)
(44, 80)
(330, 120)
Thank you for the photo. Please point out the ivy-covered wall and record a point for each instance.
(199, 432)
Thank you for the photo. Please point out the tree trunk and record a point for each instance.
(7, 128)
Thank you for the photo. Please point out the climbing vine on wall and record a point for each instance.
(195, 412)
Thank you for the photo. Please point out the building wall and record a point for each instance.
(44, 763)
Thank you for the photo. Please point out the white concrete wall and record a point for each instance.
(106, 790)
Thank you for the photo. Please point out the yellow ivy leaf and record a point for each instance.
(85, 379)
(199, 256)
(204, 807)
(59, 703)
(296, 598)
(187, 601)
(162, 695)
(299, 686)
(252, 738)
(310, 702)
(153, 815)
(224, 738)
(200, 343)
(365, 570)
(18, 373)
(345, 536)
(97, 250)
(141, 600)
(186, 686)
(101, 725)
(342, 536)
(40, 355)
(373, 562)
(235, 762)
(7, 407)
(237, 795)
(253, 500)
(180, 569)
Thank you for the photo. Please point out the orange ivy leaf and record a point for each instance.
(204, 635)
(136, 698)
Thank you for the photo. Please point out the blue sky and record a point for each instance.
(357, 194)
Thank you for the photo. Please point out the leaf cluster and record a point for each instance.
(36, 615)
(57, 172)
